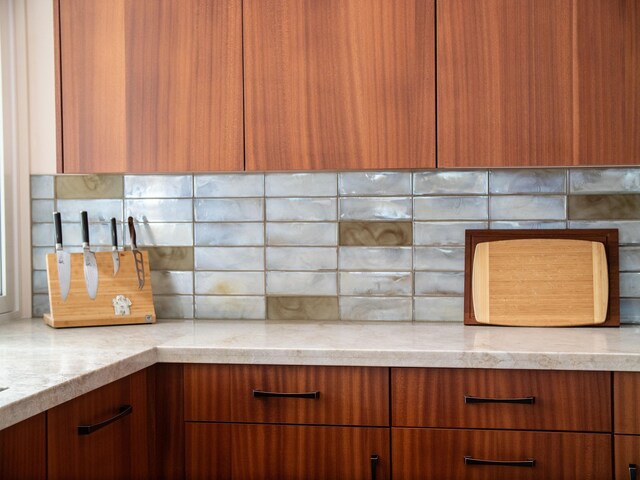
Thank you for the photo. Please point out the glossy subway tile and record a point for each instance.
(630, 259)
(604, 180)
(101, 210)
(88, 186)
(173, 306)
(301, 185)
(439, 258)
(439, 283)
(42, 211)
(163, 234)
(229, 283)
(302, 258)
(604, 207)
(372, 234)
(375, 258)
(158, 210)
(232, 185)
(39, 305)
(309, 234)
(315, 308)
(230, 307)
(376, 308)
(170, 258)
(446, 208)
(630, 310)
(158, 186)
(39, 281)
(39, 257)
(435, 182)
(172, 283)
(301, 209)
(527, 224)
(229, 258)
(630, 284)
(527, 207)
(301, 283)
(42, 186)
(534, 180)
(229, 234)
(439, 309)
(375, 183)
(376, 283)
(443, 233)
(628, 232)
(229, 210)
(375, 208)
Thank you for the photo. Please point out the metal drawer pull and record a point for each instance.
(501, 463)
(374, 466)
(632, 471)
(522, 401)
(123, 411)
(262, 394)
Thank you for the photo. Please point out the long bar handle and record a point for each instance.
(502, 463)
(263, 394)
(123, 411)
(522, 401)
(374, 466)
(633, 471)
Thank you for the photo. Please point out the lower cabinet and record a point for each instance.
(23, 450)
(254, 452)
(104, 434)
(494, 455)
(627, 452)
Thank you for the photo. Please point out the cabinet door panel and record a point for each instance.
(627, 452)
(285, 452)
(339, 85)
(23, 450)
(440, 454)
(626, 399)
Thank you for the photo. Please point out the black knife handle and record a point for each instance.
(57, 221)
(85, 227)
(114, 233)
(132, 233)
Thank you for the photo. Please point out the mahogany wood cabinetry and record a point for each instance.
(538, 82)
(23, 450)
(626, 421)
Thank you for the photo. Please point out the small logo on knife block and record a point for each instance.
(121, 305)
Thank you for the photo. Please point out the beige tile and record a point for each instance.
(604, 207)
(89, 186)
(302, 308)
(376, 234)
(170, 258)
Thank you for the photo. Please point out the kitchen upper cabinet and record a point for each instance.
(538, 82)
(339, 85)
(149, 85)
(23, 450)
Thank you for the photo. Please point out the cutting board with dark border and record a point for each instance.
(608, 237)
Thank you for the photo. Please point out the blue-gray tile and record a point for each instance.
(375, 183)
(301, 185)
(173, 306)
(229, 210)
(42, 211)
(40, 305)
(376, 308)
(375, 258)
(39, 257)
(628, 232)
(301, 209)
(439, 258)
(527, 207)
(229, 234)
(97, 210)
(311, 234)
(630, 284)
(534, 180)
(301, 283)
(160, 210)
(230, 185)
(630, 310)
(163, 234)
(630, 259)
(302, 258)
(527, 224)
(42, 186)
(172, 283)
(375, 208)
(604, 180)
(158, 186)
(39, 282)
(439, 309)
(451, 207)
(229, 258)
(443, 233)
(439, 283)
(434, 182)
(231, 307)
(396, 284)
(229, 283)
(99, 234)
(42, 235)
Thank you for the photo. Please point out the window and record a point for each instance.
(8, 283)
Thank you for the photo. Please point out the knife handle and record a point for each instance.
(85, 227)
(57, 221)
(114, 234)
(132, 233)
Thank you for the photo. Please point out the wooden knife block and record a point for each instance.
(78, 310)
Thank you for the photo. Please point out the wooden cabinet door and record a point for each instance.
(538, 82)
(23, 450)
(334, 84)
(627, 456)
(626, 402)
(150, 85)
(120, 449)
(286, 452)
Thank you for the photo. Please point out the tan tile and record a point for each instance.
(170, 258)
(89, 186)
(302, 308)
(371, 234)
(604, 207)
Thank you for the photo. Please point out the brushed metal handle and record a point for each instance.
(501, 463)
(374, 466)
(633, 471)
(123, 411)
(263, 394)
(521, 401)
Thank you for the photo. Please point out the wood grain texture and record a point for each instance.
(169, 425)
(285, 452)
(433, 453)
(627, 451)
(339, 85)
(564, 400)
(538, 82)
(79, 310)
(626, 396)
(57, 65)
(120, 450)
(348, 395)
(607, 237)
(93, 76)
(540, 282)
(23, 452)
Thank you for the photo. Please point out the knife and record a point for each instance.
(137, 255)
(90, 263)
(64, 259)
(114, 247)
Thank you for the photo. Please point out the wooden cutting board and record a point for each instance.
(540, 282)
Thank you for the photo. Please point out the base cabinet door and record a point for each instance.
(627, 457)
(499, 455)
(23, 450)
(286, 452)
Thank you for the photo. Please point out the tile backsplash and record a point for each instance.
(326, 246)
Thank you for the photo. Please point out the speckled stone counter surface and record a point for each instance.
(43, 367)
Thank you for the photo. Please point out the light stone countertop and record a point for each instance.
(44, 367)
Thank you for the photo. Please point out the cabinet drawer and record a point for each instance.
(257, 393)
(285, 452)
(626, 399)
(627, 453)
(459, 398)
(441, 454)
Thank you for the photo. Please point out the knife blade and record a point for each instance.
(90, 263)
(63, 259)
(137, 255)
(114, 247)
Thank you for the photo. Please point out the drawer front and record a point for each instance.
(470, 398)
(286, 452)
(287, 394)
(469, 454)
(627, 456)
(626, 402)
